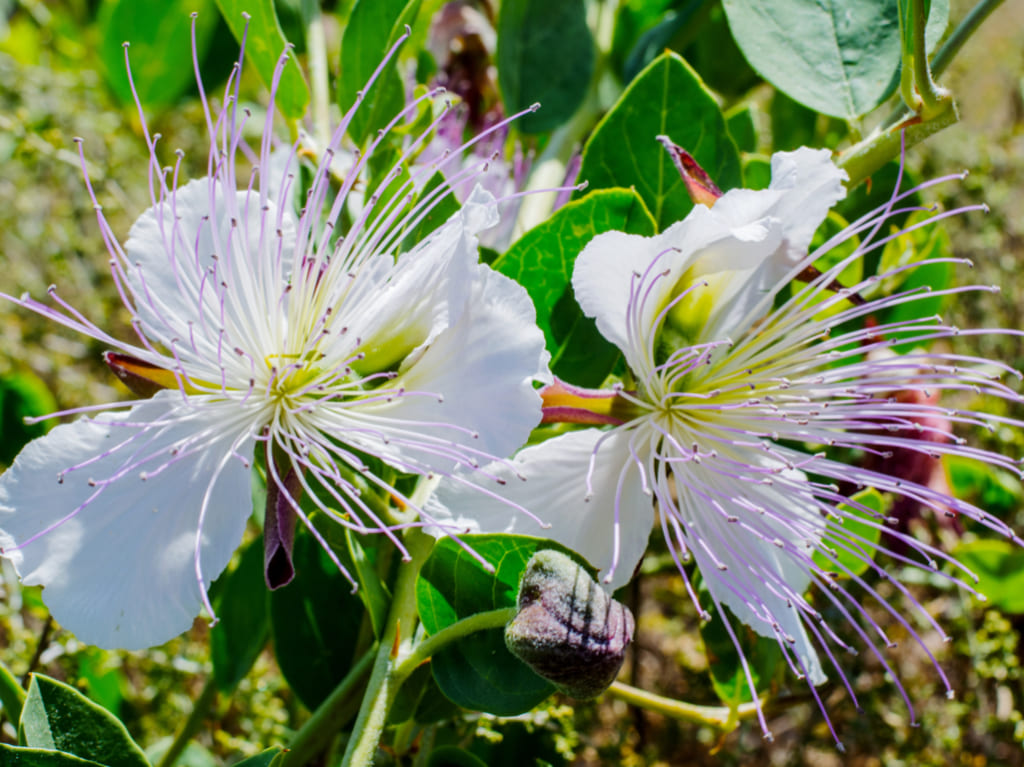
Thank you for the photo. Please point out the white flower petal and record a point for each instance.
(549, 480)
(473, 386)
(757, 576)
(810, 184)
(192, 273)
(120, 573)
(407, 305)
(616, 270)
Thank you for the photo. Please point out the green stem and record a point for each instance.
(934, 99)
(12, 694)
(967, 27)
(380, 692)
(191, 725)
(329, 716)
(956, 40)
(316, 49)
(720, 717)
(866, 157)
(426, 649)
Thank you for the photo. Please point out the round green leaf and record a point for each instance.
(160, 41)
(839, 57)
(854, 533)
(22, 395)
(667, 98)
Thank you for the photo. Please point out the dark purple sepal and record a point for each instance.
(279, 531)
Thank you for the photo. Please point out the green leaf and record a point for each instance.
(542, 261)
(244, 626)
(667, 98)
(22, 395)
(740, 123)
(999, 566)
(160, 46)
(100, 672)
(262, 759)
(315, 622)
(757, 171)
(373, 27)
(719, 60)
(926, 279)
(478, 672)
(264, 44)
(840, 57)
(194, 755)
(13, 756)
(793, 124)
(12, 695)
(728, 678)
(56, 716)
(546, 55)
(987, 487)
(852, 533)
(372, 591)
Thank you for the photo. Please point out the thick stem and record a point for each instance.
(863, 159)
(191, 725)
(956, 40)
(380, 692)
(720, 717)
(329, 717)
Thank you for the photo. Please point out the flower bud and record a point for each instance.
(568, 629)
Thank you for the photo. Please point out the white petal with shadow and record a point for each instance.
(120, 573)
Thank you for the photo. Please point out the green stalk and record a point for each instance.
(329, 717)
(967, 27)
(866, 157)
(426, 649)
(380, 692)
(934, 100)
(191, 725)
(12, 695)
(720, 717)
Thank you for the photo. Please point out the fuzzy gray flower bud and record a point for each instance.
(568, 629)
